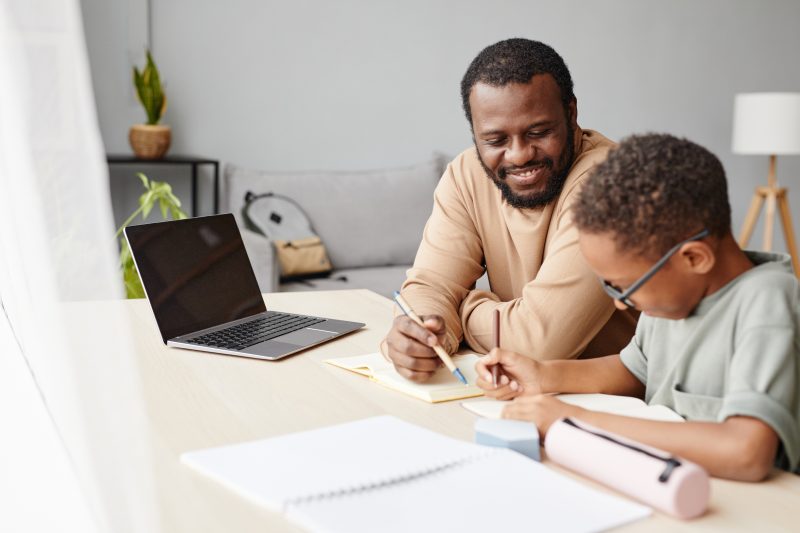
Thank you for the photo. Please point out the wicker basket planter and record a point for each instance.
(150, 141)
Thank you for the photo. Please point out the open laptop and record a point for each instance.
(204, 295)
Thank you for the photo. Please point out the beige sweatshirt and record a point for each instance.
(552, 306)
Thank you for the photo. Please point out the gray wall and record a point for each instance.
(362, 84)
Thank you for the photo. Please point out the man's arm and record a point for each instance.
(560, 311)
(449, 260)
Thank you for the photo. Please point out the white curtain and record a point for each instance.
(74, 450)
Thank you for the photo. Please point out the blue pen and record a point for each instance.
(443, 355)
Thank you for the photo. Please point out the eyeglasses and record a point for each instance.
(624, 296)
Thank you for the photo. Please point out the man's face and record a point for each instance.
(673, 292)
(524, 137)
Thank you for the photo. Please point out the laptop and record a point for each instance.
(204, 295)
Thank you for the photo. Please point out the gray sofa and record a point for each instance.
(370, 221)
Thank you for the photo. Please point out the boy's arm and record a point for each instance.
(606, 375)
(740, 448)
(520, 374)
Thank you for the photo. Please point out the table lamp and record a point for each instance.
(768, 124)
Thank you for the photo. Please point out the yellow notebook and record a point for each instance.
(442, 387)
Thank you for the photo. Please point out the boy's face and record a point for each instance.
(673, 292)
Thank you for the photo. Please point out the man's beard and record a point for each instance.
(554, 183)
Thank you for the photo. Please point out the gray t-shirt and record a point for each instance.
(738, 353)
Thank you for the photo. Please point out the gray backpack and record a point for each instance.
(300, 251)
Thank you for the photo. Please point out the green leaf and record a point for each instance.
(124, 253)
(138, 82)
(177, 213)
(133, 285)
(130, 277)
(146, 208)
(147, 199)
(155, 191)
(163, 105)
(150, 90)
(174, 199)
(156, 187)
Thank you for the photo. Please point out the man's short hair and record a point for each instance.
(515, 61)
(654, 191)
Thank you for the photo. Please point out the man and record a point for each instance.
(503, 207)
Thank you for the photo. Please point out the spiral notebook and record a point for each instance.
(384, 474)
(442, 387)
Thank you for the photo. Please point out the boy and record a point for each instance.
(717, 340)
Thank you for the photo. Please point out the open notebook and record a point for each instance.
(618, 405)
(442, 387)
(384, 474)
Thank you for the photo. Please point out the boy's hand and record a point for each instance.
(518, 374)
(542, 410)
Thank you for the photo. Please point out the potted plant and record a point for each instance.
(151, 140)
(155, 192)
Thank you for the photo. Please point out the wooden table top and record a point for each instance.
(197, 400)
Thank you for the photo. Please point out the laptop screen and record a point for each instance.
(195, 272)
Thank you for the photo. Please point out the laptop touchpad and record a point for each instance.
(305, 336)
(272, 349)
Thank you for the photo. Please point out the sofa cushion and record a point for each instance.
(383, 280)
(365, 218)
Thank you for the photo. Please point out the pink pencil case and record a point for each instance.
(655, 477)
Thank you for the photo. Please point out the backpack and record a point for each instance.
(300, 251)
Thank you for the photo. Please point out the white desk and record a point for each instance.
(197, 400)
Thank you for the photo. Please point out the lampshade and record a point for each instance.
(766, 123)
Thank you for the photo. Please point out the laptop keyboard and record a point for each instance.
(249, 333)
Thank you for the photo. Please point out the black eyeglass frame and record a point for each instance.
(624, 296)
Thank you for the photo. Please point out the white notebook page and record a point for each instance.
(503, 492)
(384, 474)
(333, 459)
(607, 403)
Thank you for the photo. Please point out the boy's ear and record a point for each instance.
(698, 257)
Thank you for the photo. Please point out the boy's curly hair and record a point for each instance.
(653, 191)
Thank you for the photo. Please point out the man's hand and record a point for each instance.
(518, 374)
(542, 410)
(410, 346)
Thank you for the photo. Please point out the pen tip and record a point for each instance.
(396, 294)
(460, 376)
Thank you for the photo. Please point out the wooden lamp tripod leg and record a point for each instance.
(770, 192)
(788, 229)
(769, 220)
(751, 219)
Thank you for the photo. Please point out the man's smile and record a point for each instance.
(525, 177)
